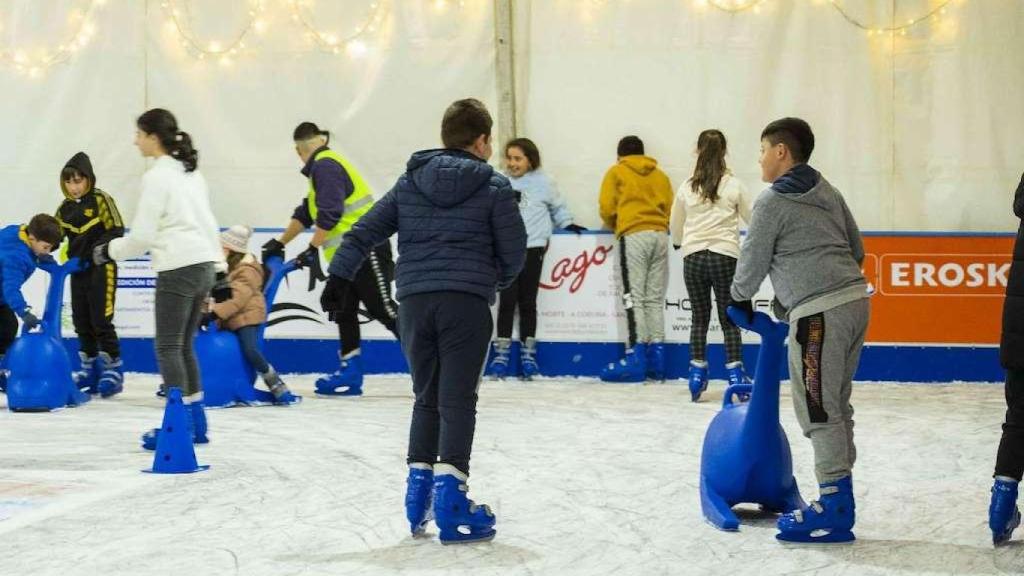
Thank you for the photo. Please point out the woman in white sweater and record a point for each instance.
(175, 225)
(705, 226)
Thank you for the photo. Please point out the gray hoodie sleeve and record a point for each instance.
(853, 233)
(756, 255)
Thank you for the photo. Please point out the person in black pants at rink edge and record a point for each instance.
(1003, 514)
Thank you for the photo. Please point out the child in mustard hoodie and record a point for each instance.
(635, 202)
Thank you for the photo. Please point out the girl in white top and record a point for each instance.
(705, 226)
(175, 225)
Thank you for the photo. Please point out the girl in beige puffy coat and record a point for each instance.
(246, 311)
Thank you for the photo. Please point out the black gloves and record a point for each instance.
(30, 320)
(221, 289)
(335, 295)
(101, 254)
(310, 258)
(575, 228)
(745, 306)
(272, 248)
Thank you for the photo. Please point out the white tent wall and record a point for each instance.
(380, 107)
(920, 131)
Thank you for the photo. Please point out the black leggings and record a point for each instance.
(372, 287)
(703, 271)
(1010, 458)
(522, 293)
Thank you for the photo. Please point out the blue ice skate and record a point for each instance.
(827, 520)
(656, 361)
(737, 376)
(279, 391)
(529, 359)
(459, 518)
(347, 381)
(419, 497)
(196, 414)
(501, 358)
(87, 377)
(698, 379)
(111, 380)
(631, 368)
(1003, 514)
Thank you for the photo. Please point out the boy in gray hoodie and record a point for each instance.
(803, 236)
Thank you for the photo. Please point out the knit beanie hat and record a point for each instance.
(236, 238)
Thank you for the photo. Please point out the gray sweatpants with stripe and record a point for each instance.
(824, 350)
(642, 275)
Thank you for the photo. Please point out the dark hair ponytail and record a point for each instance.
(178, 144)
(711, 149)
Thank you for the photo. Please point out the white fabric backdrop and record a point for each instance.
(921, 133)
(926, 137)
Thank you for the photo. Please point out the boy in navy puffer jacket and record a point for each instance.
(460, 239)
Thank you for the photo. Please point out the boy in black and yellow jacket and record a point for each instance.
(88, 217)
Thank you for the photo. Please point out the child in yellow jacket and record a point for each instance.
(635, 202)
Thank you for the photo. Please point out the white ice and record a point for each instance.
(584, 478)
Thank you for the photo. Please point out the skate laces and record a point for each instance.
(473, 506)
(798, 514)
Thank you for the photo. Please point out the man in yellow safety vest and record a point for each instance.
(337, 198)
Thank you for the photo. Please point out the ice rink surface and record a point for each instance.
(584, 478)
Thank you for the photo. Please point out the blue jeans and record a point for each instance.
(248, 337)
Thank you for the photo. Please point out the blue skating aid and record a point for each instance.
(347, 381)
(39, 369)
(459, 519)
(828, 520)
(1003, 514)
(419, 501)
(228, 379)
(174, 451)
(746, 455)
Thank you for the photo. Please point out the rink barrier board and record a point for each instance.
(927, 337)
(570, 359)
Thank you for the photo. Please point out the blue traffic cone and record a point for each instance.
(174, 451)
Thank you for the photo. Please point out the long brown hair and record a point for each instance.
(711, 149)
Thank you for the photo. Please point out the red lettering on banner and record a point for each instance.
(576, 268)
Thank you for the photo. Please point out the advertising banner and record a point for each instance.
(938, 290)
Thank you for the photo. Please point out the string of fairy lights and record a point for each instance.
(933, 14)
(357, 40)
(34, 62)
